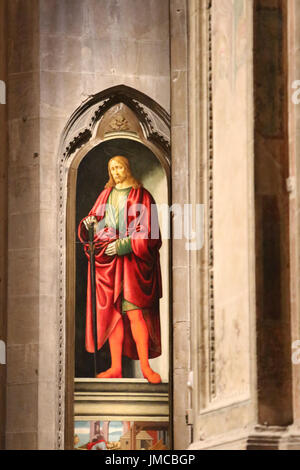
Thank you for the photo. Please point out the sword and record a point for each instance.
(93, 292)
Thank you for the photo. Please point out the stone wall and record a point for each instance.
(60, 53)
(232, 191)
(23, 225)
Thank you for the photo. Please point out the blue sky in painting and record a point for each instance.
(115, 431)
(82, 429)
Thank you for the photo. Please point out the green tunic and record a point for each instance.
(115, 218)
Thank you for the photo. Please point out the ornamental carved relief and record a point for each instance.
(119, 123)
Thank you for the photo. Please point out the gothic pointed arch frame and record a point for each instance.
(119, 112)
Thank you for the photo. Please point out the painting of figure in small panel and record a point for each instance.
(121, 435)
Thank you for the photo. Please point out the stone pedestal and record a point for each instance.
(120, 400)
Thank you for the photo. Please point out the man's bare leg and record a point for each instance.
(141, 337)
(115, 344)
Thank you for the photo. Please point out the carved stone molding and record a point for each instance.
(154, 120)
(211, 303)
(78, 141)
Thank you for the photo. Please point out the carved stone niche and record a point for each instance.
(119, 109)
(116, 113)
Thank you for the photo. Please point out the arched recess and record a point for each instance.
(117, 113)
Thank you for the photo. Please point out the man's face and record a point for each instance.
(118, 172)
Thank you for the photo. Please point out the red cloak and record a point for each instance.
(90, 445)
(136, 276)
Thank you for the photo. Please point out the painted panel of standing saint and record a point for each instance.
(122, 265)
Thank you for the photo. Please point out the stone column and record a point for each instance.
(105, 430)
(293, 18)
(181, 196)
(272, 214)
(3, 212)
(277, 225)
(24, 225)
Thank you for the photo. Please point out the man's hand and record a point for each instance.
(111, 250)
(89, 221)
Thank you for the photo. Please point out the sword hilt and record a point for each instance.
(91, 236)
